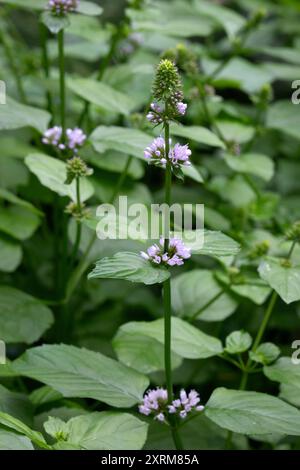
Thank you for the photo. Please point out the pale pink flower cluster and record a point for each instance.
(155, 404)
(156, 114)
(179, 155)
(75, 138)
(62, 7)
(175, 256)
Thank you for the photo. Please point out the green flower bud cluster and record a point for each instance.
(183, 57)
(79, 212)
(167, 84)
(293, 233)
(260, 249)
(77, 168)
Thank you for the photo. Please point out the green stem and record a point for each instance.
(45, 62)
(167, 342)
(78, 225)
(62, 83)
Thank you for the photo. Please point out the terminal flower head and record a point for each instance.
(62, 7)
(175, 256)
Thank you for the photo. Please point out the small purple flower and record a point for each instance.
(181, 108)
(62, 7)
(178, 155)
(155, 403)
(52, 136)
(175, 256)
(155, 115)
(76, 138)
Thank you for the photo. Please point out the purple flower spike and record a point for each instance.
(178, 155)
(76, 138)
(52, 136)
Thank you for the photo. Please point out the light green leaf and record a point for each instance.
(15, 404)
(12, 198)
(17, 425)
(23, 318)
(11, 441)
(192, 172)
(54, 23)
(214, 243)
(18, 222)
(187, 341)
(197, 133)
(284, 371)
(10, 255)
(100, 94)
(130, 267)
(101, 431)
(89, 8)
(238, 342)
(283, 279)
(251, 163)
(76, 372)
(284, 116)
(52, 173)
(265, 353)
(14, 115)
(197, 294)
(252, 413)
(231, 21)
(235, 131)
(130, 141)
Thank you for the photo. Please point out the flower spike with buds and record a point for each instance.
(77, 168)
(62, 7)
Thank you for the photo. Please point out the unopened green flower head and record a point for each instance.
(79, 212)
(183, 57)
(260, 249)
(167, 84)
(76, 168)
(293, 233)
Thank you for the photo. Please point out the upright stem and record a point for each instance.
(62, 90)
(45, 61)
(78, 224)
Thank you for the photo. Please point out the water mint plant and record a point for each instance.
(149, 227)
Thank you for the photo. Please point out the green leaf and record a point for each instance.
(214, 243)
(76, 372)
(284, 116)
(191, 172)
(284, 371)
(252, 413)
(16, 404)
(283, 279)
(44, 395)
(238, 342)
(18, 222)
(23, 318)
(14, 115)
(130, 267)
(130, 141)
(12, 198)
(100, 94)
(251, 163)
(197, 133)
(235, 131)
(231, 21)
(101, 431)
(197, 294)
(187, 341)
(89, 8)
(11, 441)
(55, 23)
(52, 173)
(139, 351)
(17, 425)
(10, 255)
(265, 353)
